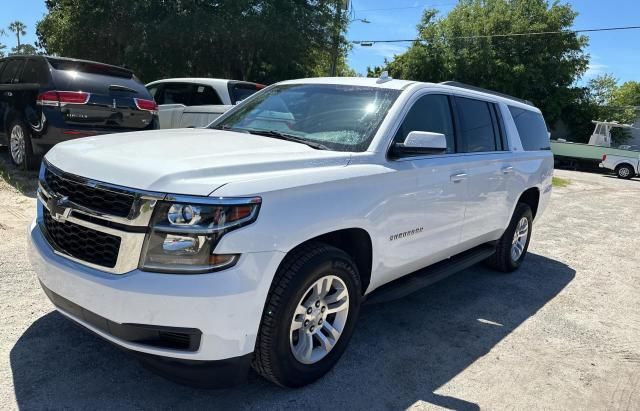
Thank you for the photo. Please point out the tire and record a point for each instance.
(305, 266)
(625, 172)
(504, 259)
(20, 148)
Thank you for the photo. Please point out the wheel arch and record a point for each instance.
(624, 163)
(356, 242)
(531, 197)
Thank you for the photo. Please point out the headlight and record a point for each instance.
(185, 231)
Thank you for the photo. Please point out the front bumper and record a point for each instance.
(226, 306)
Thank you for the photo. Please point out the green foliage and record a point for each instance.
(538, 68)
(259, 40)
(24, 49)
(603, 99)
(560, 182)
(19, 28)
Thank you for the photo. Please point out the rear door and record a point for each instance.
(108, 97)
(488, 169)
(8, 93)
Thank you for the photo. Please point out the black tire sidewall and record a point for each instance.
(289, 370)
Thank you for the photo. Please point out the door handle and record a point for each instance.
(8, 93)
(458, 177)
(507, 170)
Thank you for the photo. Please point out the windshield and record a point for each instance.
(339, 117)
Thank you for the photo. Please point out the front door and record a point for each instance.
(424, 211)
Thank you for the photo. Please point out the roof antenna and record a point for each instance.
(384, 77)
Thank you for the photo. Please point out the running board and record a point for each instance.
(425, 277)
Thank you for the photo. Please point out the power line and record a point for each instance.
(406, 7)
(484, 36)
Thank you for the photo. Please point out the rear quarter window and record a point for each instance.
(36, 71)
(240, 91)
(531, 128)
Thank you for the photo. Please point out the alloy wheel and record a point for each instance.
(624, 172)
(319, 319)
(520, 238)
(17, 145)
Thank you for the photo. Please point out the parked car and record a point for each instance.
(196, 102)
(47, 100)
(625, 167)
(255, 241)
(588, 156)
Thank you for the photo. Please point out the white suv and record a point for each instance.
(255, 241)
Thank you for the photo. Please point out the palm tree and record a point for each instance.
(19, 28)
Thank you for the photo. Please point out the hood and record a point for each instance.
(186, 161)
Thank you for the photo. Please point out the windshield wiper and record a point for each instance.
(225, 127)
(288, 137)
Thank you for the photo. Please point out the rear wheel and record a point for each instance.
(513, 245)
(625, 171)
(309, 317)
(20, 149)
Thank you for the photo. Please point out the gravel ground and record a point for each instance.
(561, 333)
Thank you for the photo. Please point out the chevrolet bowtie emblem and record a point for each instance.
(58, 209)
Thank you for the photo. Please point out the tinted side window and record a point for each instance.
(532, 129)
(240, 92)
(477, 133)
(153, 90)
(204, 95)
(2, 63)
(430, 113)
(11, 71)
(36, 71)
(175, 93)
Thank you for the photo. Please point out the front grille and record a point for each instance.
(103, 201)
(81, 242)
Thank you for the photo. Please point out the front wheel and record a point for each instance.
(309, 316)
(513, 245)
(625, 172)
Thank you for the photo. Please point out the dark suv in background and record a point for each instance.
(47, 100)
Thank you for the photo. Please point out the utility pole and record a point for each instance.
(336, 38)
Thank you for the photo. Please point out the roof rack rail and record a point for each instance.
(484, 90)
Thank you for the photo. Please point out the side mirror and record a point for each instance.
(421, 142)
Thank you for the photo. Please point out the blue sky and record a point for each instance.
(611, 52)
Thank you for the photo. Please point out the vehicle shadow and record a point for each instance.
(26, 182)
(401, 353)
(616, 177)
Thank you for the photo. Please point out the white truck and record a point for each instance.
(255, 241)
(625, 167)
(196, 102)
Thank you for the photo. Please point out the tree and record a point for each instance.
(19, 28)
(259, 40)
(2, 46)
(24, 49)
(462, 46)
(603, 99)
